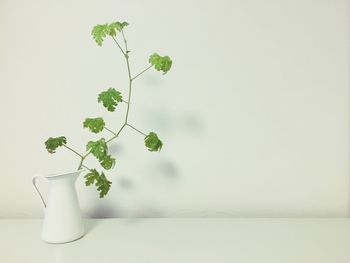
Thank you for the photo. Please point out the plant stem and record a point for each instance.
(73, 150)
(143, 71)
(117, 134)
(144, 134)
(125, 42)
(110, 130)
(130, 79)
(119, 46)
(86, 167)
(109, 140)
(126, 56)
(129, 97)
(82, 160)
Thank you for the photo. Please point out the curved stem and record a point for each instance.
(129, 97)
(81, 164)
(130, 79)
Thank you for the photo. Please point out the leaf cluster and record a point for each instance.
(95, 125)
(53, 143)
(153, 143)
(99, 179)
(160, 63)
(99, 32)
(110, 98)
(99, 149)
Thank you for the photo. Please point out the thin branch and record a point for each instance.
(117, 134)
(130, 79)
(110, 130)
(82, 160)
(125, 42)
(144, 134)
(143, 71)
(86, 167)
(73, 150)
(119, 46)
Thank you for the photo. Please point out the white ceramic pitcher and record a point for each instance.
(62, 221)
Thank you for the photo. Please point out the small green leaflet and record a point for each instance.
(115, 27)
(153, 143)
(53, 143)
(99, 32)
(100, 151)
(91, 177)
(160, 63)
(110, 98)
(98, 148)
(95, 125)
(103, 185)
(108, 162)
(101, 182)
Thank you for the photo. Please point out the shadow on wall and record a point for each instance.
(104, 210)
(125, 183)
(108, 209)
(116, 148)
(174, 123)
(163, 171)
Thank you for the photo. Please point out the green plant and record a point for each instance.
(110, 99)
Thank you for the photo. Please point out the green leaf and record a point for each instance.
(103, 185)
(108, 162)
(116, 27)
(100, 151)
(110, 98)
(91, 177)
(101, 182)
(98, 148)
(153, 143)
(95, 125)
(99, 32)
(160, 63)
(53, 143)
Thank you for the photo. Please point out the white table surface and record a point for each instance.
(184, 240)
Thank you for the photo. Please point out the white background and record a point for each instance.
(254, 113)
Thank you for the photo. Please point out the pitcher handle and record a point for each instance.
(37, 189)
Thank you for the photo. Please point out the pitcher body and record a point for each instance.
(62, 221)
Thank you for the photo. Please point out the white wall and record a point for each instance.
(254, 114)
